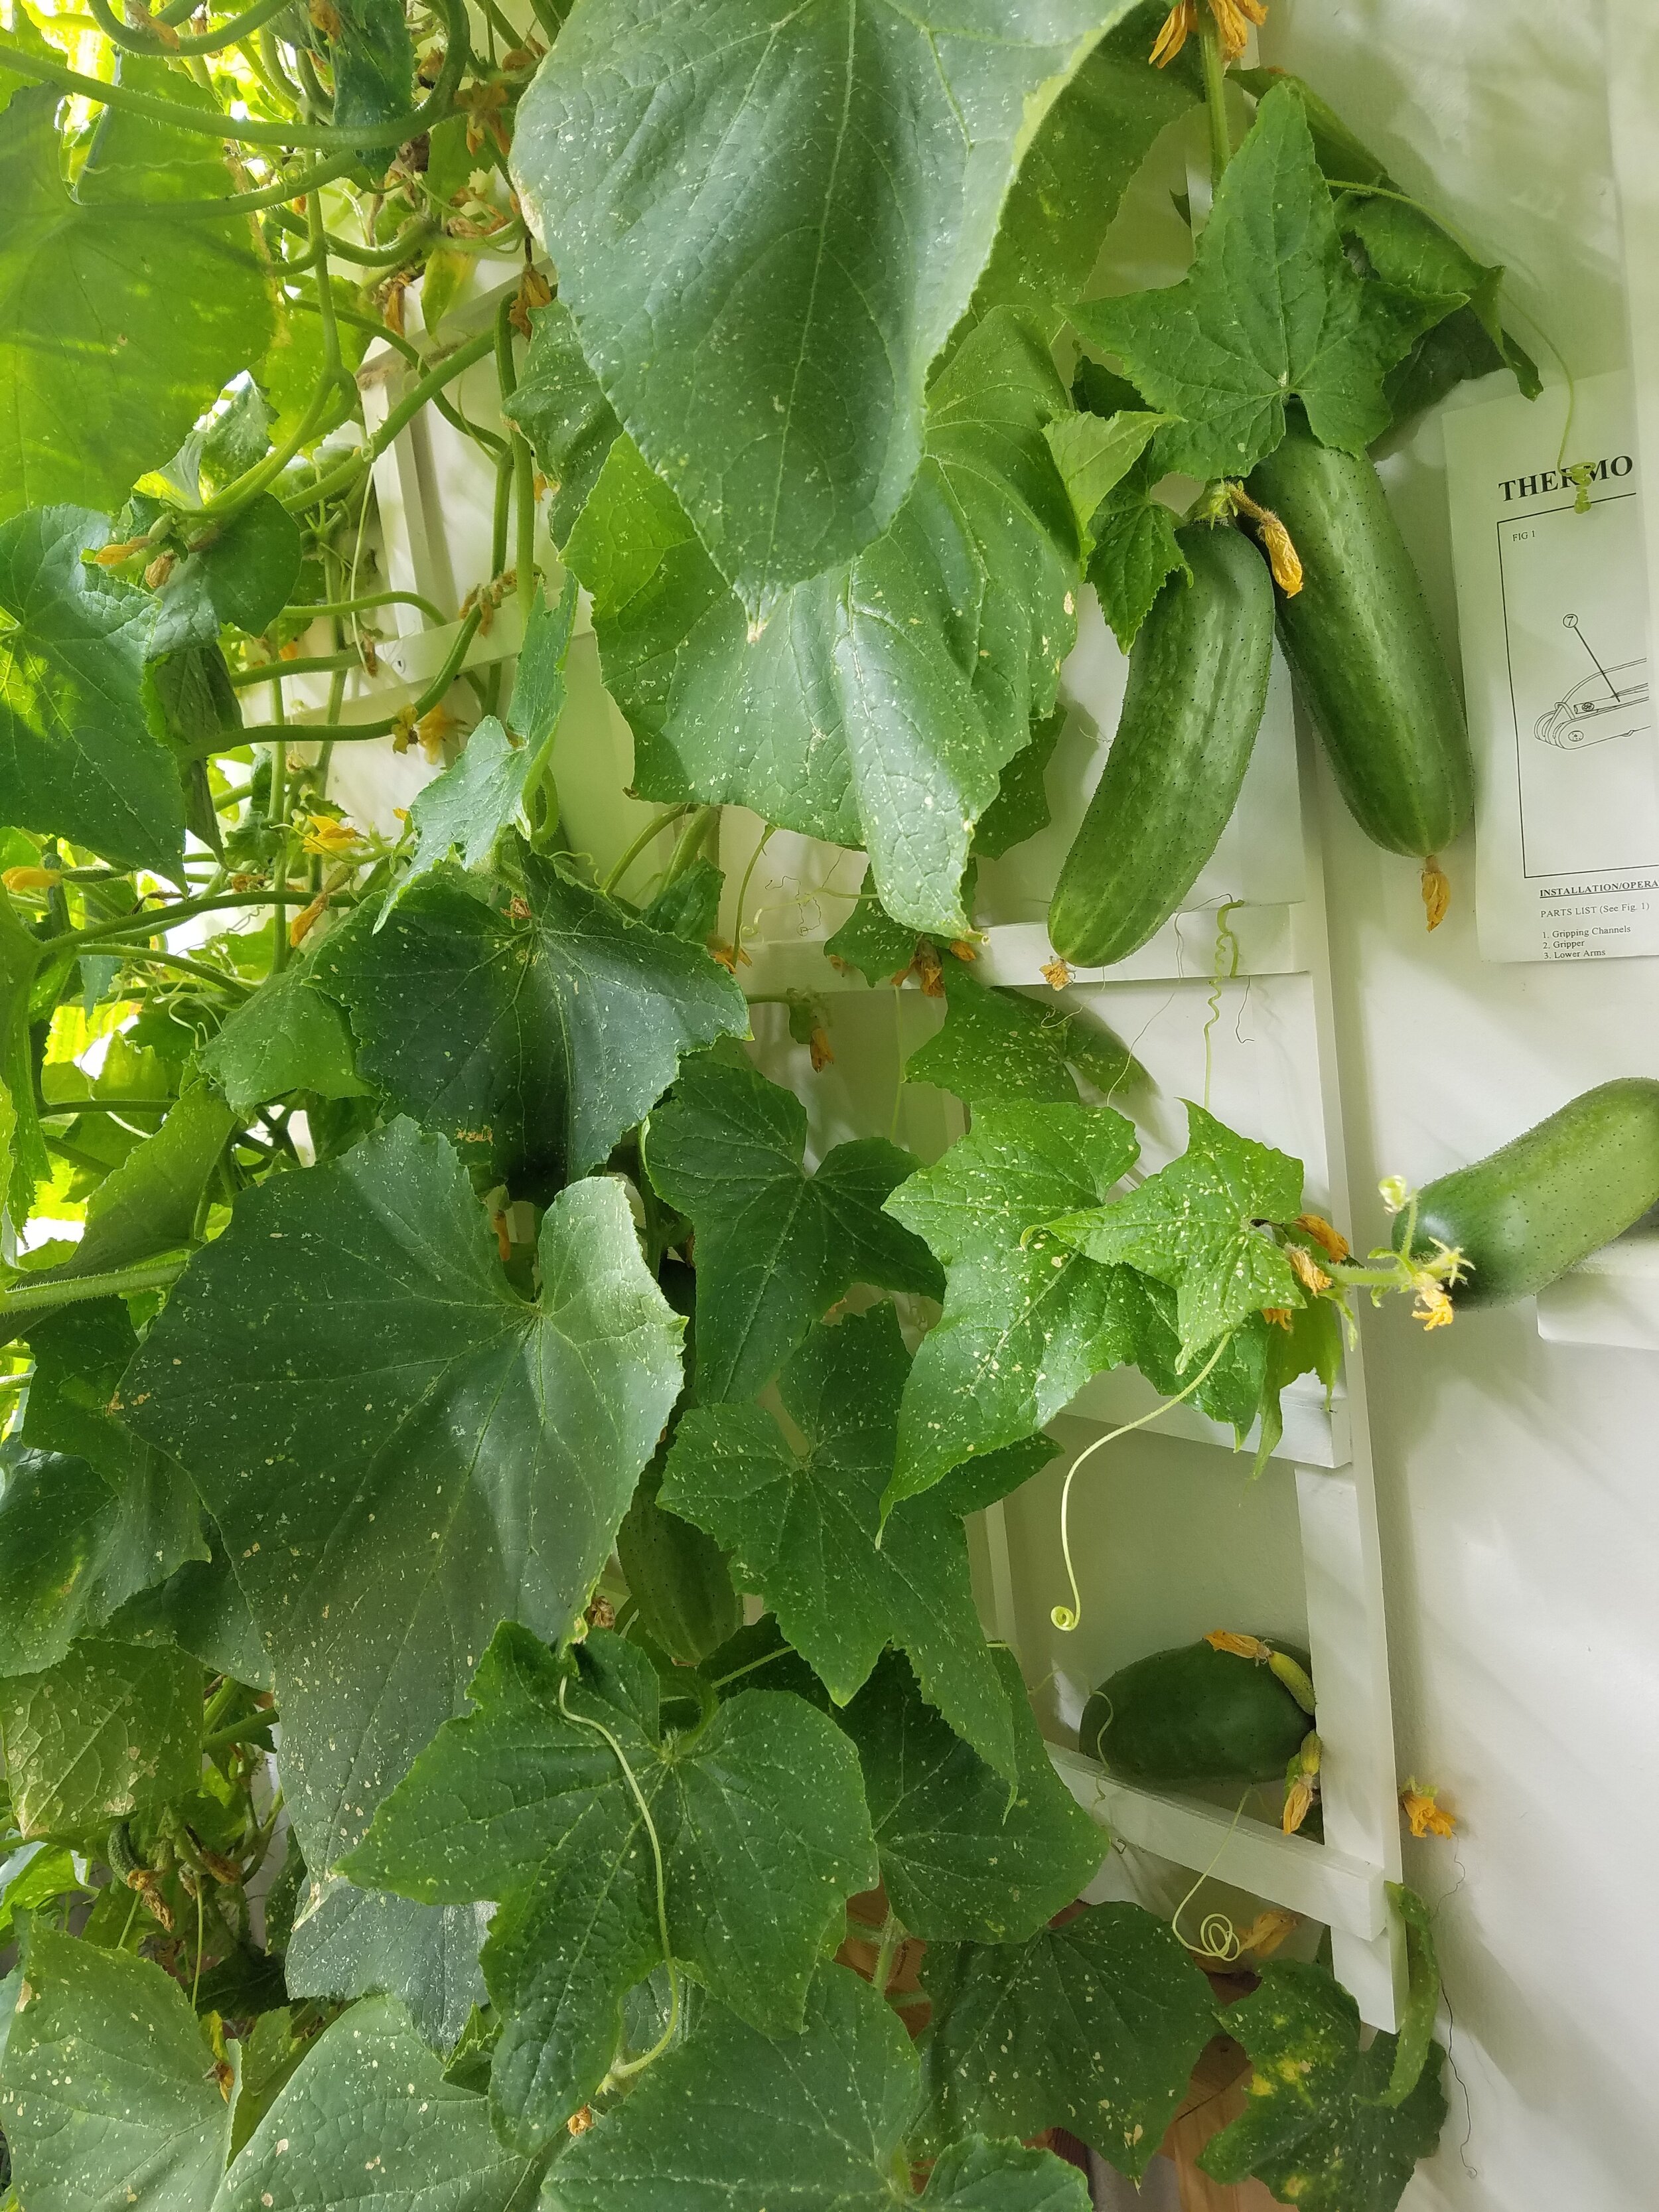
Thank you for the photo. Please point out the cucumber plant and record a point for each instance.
(396, 1236)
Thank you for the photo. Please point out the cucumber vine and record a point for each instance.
(491, 1691)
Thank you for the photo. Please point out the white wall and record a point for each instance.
(1517, 1479)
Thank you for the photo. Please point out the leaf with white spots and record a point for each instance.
(775, 1246)
(399, 1449)
(108, 2092)
(1319, 2127)
(1200, 1226)
(880, 702)
(1094, 2027)
(805, 1534)
(109, 1728)
(531, 1033)
(1025, 1323)
(366, 2121)
(757, 1807)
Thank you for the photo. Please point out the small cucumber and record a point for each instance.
(1198, 685)
(677, 1577)
(1194, 1714)
(1539, 1204)
(1363, 652)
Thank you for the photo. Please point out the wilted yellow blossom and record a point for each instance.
(1240, 1647)
(1424, 1816)
(1306, 1269)
(1233, 19)
(1331, 1242)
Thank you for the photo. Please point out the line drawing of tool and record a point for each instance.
(1582, 715)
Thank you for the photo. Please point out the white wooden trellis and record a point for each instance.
(433, 497)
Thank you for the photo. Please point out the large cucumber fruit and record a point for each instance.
(1547, 1199)
(1194, 1714)
(677, 1576)
(1198, 685)
(1363, 652)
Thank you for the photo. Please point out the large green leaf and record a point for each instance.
(561, 408)
(1026, 1324)
(109, 2092)
(959, 1860)
(346, 1940)
(1318, 2127)
(398, 1450)
(91, 289)
(22, 1145)
(367, 2123)
(80, 755)
(89, 1515)
(979, 2176)
(767, 226)
(805, 1529)
(883, 699)
(734, 2121)
(1271, 311)
(775, 1246)
(244, 573)
(152, 1200)
(759, 1813)
(1000, 1048)
(532, 1033)
(108, 1729)
(290, 1036)
(1079, 165)
(1197, 1225)
(1094, 2027)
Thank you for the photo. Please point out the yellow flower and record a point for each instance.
(1241, 1647)
(1433, 1308)
(1425, 1817)
(303, 922)
(1267, 1931)
(1280, 1317)
(1056, 974)
(333, 840)
(1437, 892)
(1306, 1269)
(30, 879)
(1282, 557)
(1233, 19)
(1331, 1242)
(1178, 26)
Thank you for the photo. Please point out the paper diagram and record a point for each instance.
(1604, 704)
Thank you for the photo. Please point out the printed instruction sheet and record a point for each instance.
(1552, 605)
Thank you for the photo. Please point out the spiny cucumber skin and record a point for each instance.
(1363, 650)
(1549, 1198)
(1197, 690)
(1194, 1714)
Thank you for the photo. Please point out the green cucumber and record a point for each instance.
(1197, 688)
(1547, 1199)
(1363, 653)
(1194, 1714)
(677, 1576)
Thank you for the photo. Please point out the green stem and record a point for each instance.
(74, 1290)
(185, 966)
(452, 415)
(251, 203)
(690, 843)
(156, 923)
(524, 467)
(652, 830)
(248, 130)
(209, 42)
(1215, 94)
(273, 671)
(342, 478)
(345, 608)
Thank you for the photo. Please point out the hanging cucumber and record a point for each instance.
(1365, 657)
(1198, 685)
(1548, 1199)
(1200, 1713)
